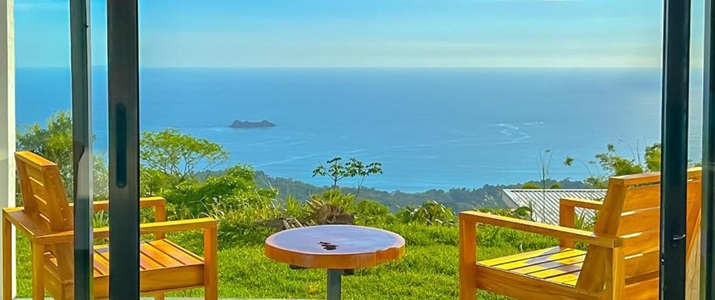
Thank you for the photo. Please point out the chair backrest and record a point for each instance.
(631, 210)
(45, 202)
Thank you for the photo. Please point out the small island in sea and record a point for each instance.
(249, 124)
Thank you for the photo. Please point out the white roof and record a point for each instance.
(545, 203)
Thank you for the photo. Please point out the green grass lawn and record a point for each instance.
(427, 271)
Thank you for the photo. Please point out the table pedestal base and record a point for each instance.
(334, 282)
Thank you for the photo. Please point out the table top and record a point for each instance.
(334, 246)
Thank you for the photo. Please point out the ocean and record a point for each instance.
(430, 128)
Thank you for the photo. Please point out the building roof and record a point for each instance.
(545, 203)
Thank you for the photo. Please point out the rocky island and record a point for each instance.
(249, 124)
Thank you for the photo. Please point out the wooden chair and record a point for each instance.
(47, 221)
(621, 261)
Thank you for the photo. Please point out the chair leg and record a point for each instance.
(467, 260)
(7, 259)
(211, 263)
(159, 296)
(467, 293)
(210, 293)
(615, 274)
(38, 286)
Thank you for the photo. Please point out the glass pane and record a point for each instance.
(465, 103)
(44, 119)
(44, 114)
(696, 82)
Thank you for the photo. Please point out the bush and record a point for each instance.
(372, 213)
(235, 189)
(429, 213)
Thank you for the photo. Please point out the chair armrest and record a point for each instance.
(157, 202)
(567, 214)
(582, 203)
(16, 216)
(543, 229)
(148, 228)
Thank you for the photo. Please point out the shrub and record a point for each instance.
(371, 213)
(429, 213)
(235, 189)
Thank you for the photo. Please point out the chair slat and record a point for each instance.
(525, 255)
(541, 259)
(559, 271)
(37, 187)
(179, 254)
(639, 221)
(550, 264)
(641, 242)
(34, 173)
(101, 260)
(642, 197)
(642, 263)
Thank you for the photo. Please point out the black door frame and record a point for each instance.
(123, 68)
(674, 162)
(123, 75)
(82, 147)
(707, 266)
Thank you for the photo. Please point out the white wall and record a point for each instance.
(7, 112)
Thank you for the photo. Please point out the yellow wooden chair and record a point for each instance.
(621, 261)
(46, 219)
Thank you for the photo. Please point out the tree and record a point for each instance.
(234, 189)
(169, 157)
(337, 170)
(610, 163)
(531, 186)
(54, 142)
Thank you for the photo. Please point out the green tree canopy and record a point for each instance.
(337, 170)
(178, 155)
(54, 142)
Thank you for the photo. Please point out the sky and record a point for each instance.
(366, 33)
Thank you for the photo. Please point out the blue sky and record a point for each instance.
(366, 33)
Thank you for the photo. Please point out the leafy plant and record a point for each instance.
(331, 207)
(544, 163)
(293, 208)
(610, 163)
(372, 213)
(429, 213)
(337, 170)
(522, 213)
(235, 189)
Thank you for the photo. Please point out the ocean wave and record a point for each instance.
(297, 143)
(282, 161)
(512, 133)
(357, 151)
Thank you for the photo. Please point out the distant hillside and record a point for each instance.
(456, 198)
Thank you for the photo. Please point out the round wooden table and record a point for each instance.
(337, 248)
